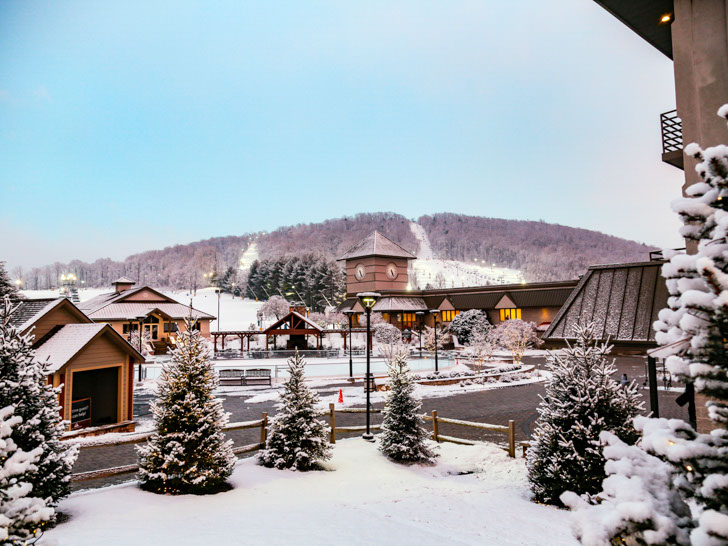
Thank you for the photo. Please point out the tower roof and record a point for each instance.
(376, 244)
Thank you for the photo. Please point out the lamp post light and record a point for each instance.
(435, 312)
(233, 285)
(350, 314)
(368, 300)
(420, 315)
(218, 291)
(140, 319)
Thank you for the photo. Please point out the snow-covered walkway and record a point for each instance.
(365, 499)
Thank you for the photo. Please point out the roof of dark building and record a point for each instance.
(26, 311)
(622, 299)
(376, 244)
(644, 18)
(407, 305)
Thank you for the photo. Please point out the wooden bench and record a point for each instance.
(235, 377)
(258, 376)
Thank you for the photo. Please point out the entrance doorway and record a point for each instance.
(102, 388)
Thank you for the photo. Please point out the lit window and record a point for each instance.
(508, 314)
(409, 320)
(447, 316)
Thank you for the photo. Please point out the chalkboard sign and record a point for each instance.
(80, 413)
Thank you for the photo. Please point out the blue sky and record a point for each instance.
(127, 126)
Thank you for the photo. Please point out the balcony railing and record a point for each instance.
(672, 139)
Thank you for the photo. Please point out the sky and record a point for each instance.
(129, 126)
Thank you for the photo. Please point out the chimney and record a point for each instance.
(122, 284)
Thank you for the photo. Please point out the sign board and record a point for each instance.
(80, 413)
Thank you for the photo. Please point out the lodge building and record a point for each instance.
(92, 363)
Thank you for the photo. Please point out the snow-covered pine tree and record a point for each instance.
(582, 399)
(403, 437)
(188, 452)
(22, 514)
(7, 288)
(23, 385)
(296, 438)
(468, 323)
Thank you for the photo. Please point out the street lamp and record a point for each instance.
(141, 319)
(368, 300)
(420, 315)
(233, 290)
(218, 291)
(350, 314)
(435, 312)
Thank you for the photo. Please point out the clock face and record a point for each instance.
(392, 271)
(360, 271)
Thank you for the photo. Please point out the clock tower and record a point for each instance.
(374, 264)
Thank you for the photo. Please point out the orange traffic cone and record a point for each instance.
(341, 396)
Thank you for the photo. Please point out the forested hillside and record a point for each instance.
(540, 250)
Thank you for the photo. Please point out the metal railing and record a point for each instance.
(672, 138)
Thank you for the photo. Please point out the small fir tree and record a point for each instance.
(188, 452)
(403, 437)
(296, 438)
(22, 513)
(23, 385)
(582, 399)
(7, 287)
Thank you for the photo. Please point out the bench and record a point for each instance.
(236, 377)
(258, 376)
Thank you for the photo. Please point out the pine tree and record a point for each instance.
(296, 438)
(7, 288)
(403, 437)
(582, 399)
(23, 385)
(22, 513)
(188, 452)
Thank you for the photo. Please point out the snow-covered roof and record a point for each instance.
(28, 312)
(376, 244)
(62, 346)
(124, 280)
(388, 304)
(132, 310)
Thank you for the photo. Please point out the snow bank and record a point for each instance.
(365, 500)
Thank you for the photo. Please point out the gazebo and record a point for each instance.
(298, 328)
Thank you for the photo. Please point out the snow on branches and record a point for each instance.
(188, 452)
(516, 335)
(296, 438)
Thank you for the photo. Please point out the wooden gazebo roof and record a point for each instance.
(293, 324)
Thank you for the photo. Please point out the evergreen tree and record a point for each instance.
(23, 385)
(403, 437)
(582, 399)
(296, 438)
(467, 323)
(22, 513)
(188, 452)
(7, 288)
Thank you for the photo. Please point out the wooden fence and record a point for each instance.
(510, 430)
(359, 428)
(261, 423)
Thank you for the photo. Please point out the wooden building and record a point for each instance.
(381, 265)
(161, 316)
(92, 362)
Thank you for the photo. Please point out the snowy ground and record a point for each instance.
(473, 495)
(458, 274)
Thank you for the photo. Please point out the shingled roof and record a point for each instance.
(376, 244)
(622, 299)
(26, 311)
(113, 306)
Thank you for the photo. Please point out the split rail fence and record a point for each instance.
(262, 424)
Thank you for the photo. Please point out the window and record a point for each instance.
(134, 327)
(508, 314)
(409, 320)
(447, 316)
(170, 327)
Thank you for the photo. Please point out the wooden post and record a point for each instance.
(215, 338)
(512, 438)
(332, 423)
(435, 427)
(264, 427)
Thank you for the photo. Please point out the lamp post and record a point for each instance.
(435, 312)
(233, 285)
(367, 300)
(350, 315)
(141, 325)
(218, 292)
(420, 315)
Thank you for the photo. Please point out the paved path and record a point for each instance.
(495, 406)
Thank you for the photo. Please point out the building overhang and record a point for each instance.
(645, 17)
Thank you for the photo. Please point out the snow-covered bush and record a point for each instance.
(387, 334)
(23, 385)
(296, 438)
(318, 318)
(146, 347)
(188, 452)
(428, 338)
(581, 401)
(516, 336)
(482, 345)
(467, 323)
(403, 437)
(22, 514)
